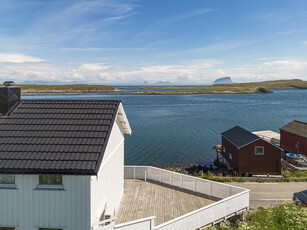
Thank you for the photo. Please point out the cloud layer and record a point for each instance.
(23, 68)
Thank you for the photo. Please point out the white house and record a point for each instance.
(61, 162)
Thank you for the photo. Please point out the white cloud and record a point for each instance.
(18, 58)
(93, 67)
(192, 72)
(304, 42)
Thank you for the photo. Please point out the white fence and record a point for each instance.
(232, 200)
(141, 224)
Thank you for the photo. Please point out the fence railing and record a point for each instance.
(232, 199)
(194, 184)
(147, 223)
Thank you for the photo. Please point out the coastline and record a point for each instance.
(133, 93)
(233, 88)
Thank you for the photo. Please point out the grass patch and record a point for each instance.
(287, 216)
(66, 88)
(293, 174)
(251, 87)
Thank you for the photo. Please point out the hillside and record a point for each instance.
(251, 87)
(66, 88)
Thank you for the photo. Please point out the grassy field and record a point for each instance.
(252, 87)
(66, 88)
(285, 217)
(235, 88)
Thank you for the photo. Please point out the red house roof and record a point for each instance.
(298, 128)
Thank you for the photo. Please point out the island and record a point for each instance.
(231, 88)
(222, 80)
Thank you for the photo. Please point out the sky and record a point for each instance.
(133, 41)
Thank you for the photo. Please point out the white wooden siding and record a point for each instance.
(107, 188)
(27, 208)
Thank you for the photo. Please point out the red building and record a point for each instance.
(247, 153)
(293, 137)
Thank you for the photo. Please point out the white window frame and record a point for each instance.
(230, 156)
(59, 187)
(9, 186)
(259, 154)
(14, 227)
(224, 149)
(49, 228)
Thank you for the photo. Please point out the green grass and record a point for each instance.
(294, 174)
(287, 216)
(66, 88)
(251, 87)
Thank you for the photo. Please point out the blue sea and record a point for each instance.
(182, 129)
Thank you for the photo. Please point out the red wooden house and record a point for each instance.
(293, 137)
(247, 153)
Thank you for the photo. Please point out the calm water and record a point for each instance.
(182, 129)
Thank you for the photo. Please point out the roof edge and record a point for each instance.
(107, 139)
(48, 172)
(242, 145)
(124, 120)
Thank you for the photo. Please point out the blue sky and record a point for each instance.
(132, 41)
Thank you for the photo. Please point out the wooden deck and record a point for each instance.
(144, 199)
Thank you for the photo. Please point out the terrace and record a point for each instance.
(160, 199)
(143, 199)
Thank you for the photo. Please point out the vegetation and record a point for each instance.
(66, 88)
(293, 174)
(251, 87)
(224, 176)
(285, 217)
(209, 175)
(234, 88)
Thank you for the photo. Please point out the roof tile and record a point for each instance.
(56, 136)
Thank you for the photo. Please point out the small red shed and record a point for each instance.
(293, 137)
(247, 153)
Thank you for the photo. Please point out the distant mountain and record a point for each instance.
(222, 80)
(163, 83)
(146, 83)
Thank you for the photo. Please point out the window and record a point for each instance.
(7, 228)
(230, 156)
(7, 179)
(259, 150)
(49, 229)
(50, 180)
(224, 149)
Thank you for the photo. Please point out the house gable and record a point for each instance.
(58, 136)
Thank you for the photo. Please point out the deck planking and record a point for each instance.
(143, 199)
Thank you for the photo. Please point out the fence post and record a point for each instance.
(170, 178)
(181, 181)
(152, 224)
(134, 172)
(160, 176)
(211, 188)
(230, 190)
(145, 176)
(194, 184)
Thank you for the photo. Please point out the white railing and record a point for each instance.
(190, 183)
(232, 199)
(141, 224)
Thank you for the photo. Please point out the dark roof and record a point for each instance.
(56, 136)
(239, 136)
(296, 127)
(301, 196)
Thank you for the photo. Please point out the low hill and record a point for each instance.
(250, 87)
(66, 88)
